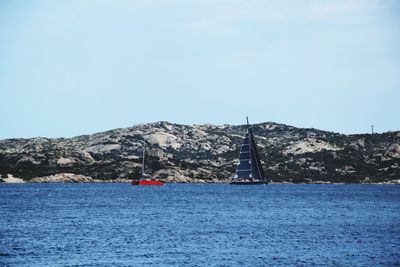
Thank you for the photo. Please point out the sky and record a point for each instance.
(77, 67)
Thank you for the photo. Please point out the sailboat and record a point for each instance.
(249, 170)
(143, 180)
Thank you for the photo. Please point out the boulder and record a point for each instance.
(66, 161)
(393, 151)
(163, 140)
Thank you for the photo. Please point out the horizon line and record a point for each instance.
(194, 124)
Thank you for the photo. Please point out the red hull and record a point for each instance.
(147, 182)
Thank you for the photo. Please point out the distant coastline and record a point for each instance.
(205, 154)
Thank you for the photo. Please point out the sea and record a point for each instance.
(199, 225)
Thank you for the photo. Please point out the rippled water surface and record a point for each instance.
(198, 225)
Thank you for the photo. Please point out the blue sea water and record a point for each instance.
(199, 225)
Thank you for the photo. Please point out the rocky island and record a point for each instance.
(203, 154)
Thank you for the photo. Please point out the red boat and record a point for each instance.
(147, 182)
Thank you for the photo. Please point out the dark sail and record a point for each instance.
(244, 168)
(249, 167)
(257, 171)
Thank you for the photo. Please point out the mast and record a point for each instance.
(257, 170)
(144, 151)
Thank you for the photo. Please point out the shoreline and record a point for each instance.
(78, 178)
(126, 181)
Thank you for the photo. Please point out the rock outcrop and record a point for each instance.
(63, 178)
(10, 179)
(204, 153)
(73, 178)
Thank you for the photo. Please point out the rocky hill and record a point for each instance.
(207, 153)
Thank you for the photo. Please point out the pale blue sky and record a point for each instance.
(77, 67)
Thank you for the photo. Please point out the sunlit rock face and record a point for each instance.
(206, 153)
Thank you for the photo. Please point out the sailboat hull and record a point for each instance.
(147, 182)
(248, 182)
